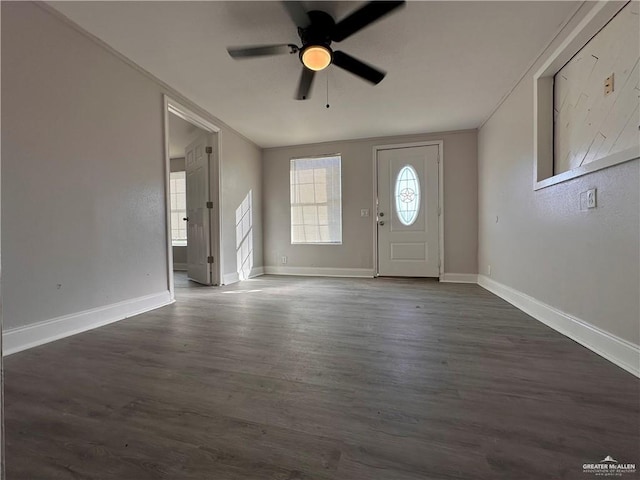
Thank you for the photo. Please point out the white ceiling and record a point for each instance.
(449, 63)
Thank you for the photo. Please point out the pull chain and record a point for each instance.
(327, 89)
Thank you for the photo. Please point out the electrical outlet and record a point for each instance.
(608, 84)
(283, 260)
(588, 199)
(591, 198)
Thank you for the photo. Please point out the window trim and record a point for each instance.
(596, 19)
(313, 157)
(416, 179)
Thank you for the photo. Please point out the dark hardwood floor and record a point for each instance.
(314, 378)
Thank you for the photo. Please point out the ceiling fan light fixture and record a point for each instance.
(316, 57)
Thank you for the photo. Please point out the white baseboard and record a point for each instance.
(256, 272)
(229, 278)
(459, 278)
(21, 338)
(179, 267)
(320, 271)
(615, 349)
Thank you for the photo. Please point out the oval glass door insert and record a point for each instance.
(407, 195)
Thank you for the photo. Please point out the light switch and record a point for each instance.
(364, 212)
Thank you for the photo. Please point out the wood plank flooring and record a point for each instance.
(312, 378)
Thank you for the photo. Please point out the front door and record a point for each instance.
(198, 219)
(408, 236)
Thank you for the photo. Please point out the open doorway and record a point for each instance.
(192, 198)
(181, 134)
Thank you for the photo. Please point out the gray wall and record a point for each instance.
(179, 257)
(176, 164)
(84, 211)
(83, 181)
(241, 172)
(356, 251)
(584, 263)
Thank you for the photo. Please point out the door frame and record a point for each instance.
(187, 114)
(426, 143)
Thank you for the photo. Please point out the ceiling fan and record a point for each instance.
(317, 29)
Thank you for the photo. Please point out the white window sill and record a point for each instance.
(316, 243)
(606, 162)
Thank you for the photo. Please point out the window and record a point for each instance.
(178, 192)
(593, 117)
(316, 200)
(407, 195)
(585, 150)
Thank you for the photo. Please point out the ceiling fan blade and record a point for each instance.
(297, 12)
(355, 66)
(304, 85)
(258, 50)
(359, 19)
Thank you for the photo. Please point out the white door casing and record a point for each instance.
(198, 223)
(408, 243)
(174, 107)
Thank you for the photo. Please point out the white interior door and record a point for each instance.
(199, 260)
(408, 236)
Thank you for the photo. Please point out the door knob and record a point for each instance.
(381, 222)
(381, 214)
(186, 219)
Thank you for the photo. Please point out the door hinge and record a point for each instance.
(438, 158)
(439, 211)
(209, 259)
(439, 263)
(209, 204)
(208, 149)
